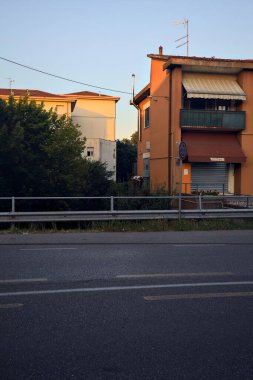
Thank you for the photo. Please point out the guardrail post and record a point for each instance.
(112, 208)
(13, 211)
(200, 202)
(13, 205)
(247, 202)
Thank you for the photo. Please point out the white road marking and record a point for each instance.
(21, 280)
(198, 296)
(198, 245)
(174, 274)
(10, 305)
(47, 249)
(131, 287)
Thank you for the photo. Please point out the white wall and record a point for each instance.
(96, 118)
(104, 151)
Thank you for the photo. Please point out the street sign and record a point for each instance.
(182, 150)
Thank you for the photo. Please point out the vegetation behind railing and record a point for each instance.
(121, 203)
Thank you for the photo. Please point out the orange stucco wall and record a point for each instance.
(245, 79)
(164, 133)
(144, 136)
(163, 170)
(176, 91)
(159, 91)
(157, 134)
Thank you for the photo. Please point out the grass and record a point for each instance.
(131, 226)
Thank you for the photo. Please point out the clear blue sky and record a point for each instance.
(102, 42)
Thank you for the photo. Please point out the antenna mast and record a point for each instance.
(185, 23)
(132, 90)
(10, 84)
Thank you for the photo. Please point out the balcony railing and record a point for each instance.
(221, 120)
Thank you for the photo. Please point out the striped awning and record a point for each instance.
(208, 88)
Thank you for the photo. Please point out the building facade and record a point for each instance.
(96, 115)
(59, 103)
(206, 103)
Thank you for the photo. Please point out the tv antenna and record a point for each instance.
(185, 23)
(10, 84)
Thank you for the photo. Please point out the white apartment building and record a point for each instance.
(96, 115)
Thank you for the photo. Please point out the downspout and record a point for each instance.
(138, 125)
(170, 139)
(132, 103)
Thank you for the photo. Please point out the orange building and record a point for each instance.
(206, 103)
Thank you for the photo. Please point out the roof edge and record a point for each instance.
(199, 61)
(158, 57)
(144, 93)
(93, 97)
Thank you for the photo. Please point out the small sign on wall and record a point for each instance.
(217, 159)
(186, 172)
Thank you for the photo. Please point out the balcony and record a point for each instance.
(212, 120)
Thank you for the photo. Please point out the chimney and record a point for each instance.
(160, 50)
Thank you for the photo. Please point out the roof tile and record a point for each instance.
(31, 93)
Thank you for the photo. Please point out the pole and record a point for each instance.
(112, 208)
(13, 211)
(132, 89)
(187, 30)
(180, 191)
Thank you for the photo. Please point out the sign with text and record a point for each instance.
(217, 159)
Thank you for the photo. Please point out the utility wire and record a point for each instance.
(63, 78)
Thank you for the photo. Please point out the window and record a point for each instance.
(199, 104)
(146, 167)
(146, 121)
(59, 110)
(209, 104)
(90, 151)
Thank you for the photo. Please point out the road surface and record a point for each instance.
(169, 305)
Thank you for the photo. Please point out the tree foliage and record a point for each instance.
(126, 158)
(41, 154)
(134, 138)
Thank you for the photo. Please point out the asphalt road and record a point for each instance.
(127, 306)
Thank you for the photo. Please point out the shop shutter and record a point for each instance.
(209, 176)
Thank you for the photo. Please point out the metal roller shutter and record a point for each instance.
(209, 176)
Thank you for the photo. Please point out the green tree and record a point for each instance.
(134, 138)
(41, 154)
(126, 159)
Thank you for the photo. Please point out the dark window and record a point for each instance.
(73, 106)
(198, 104)
(90, 151)
(146, 118)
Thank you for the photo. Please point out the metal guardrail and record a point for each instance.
(124, 208)
(188, 187)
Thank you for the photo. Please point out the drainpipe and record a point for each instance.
(138, 109)
(132, 103)
(170, 159)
